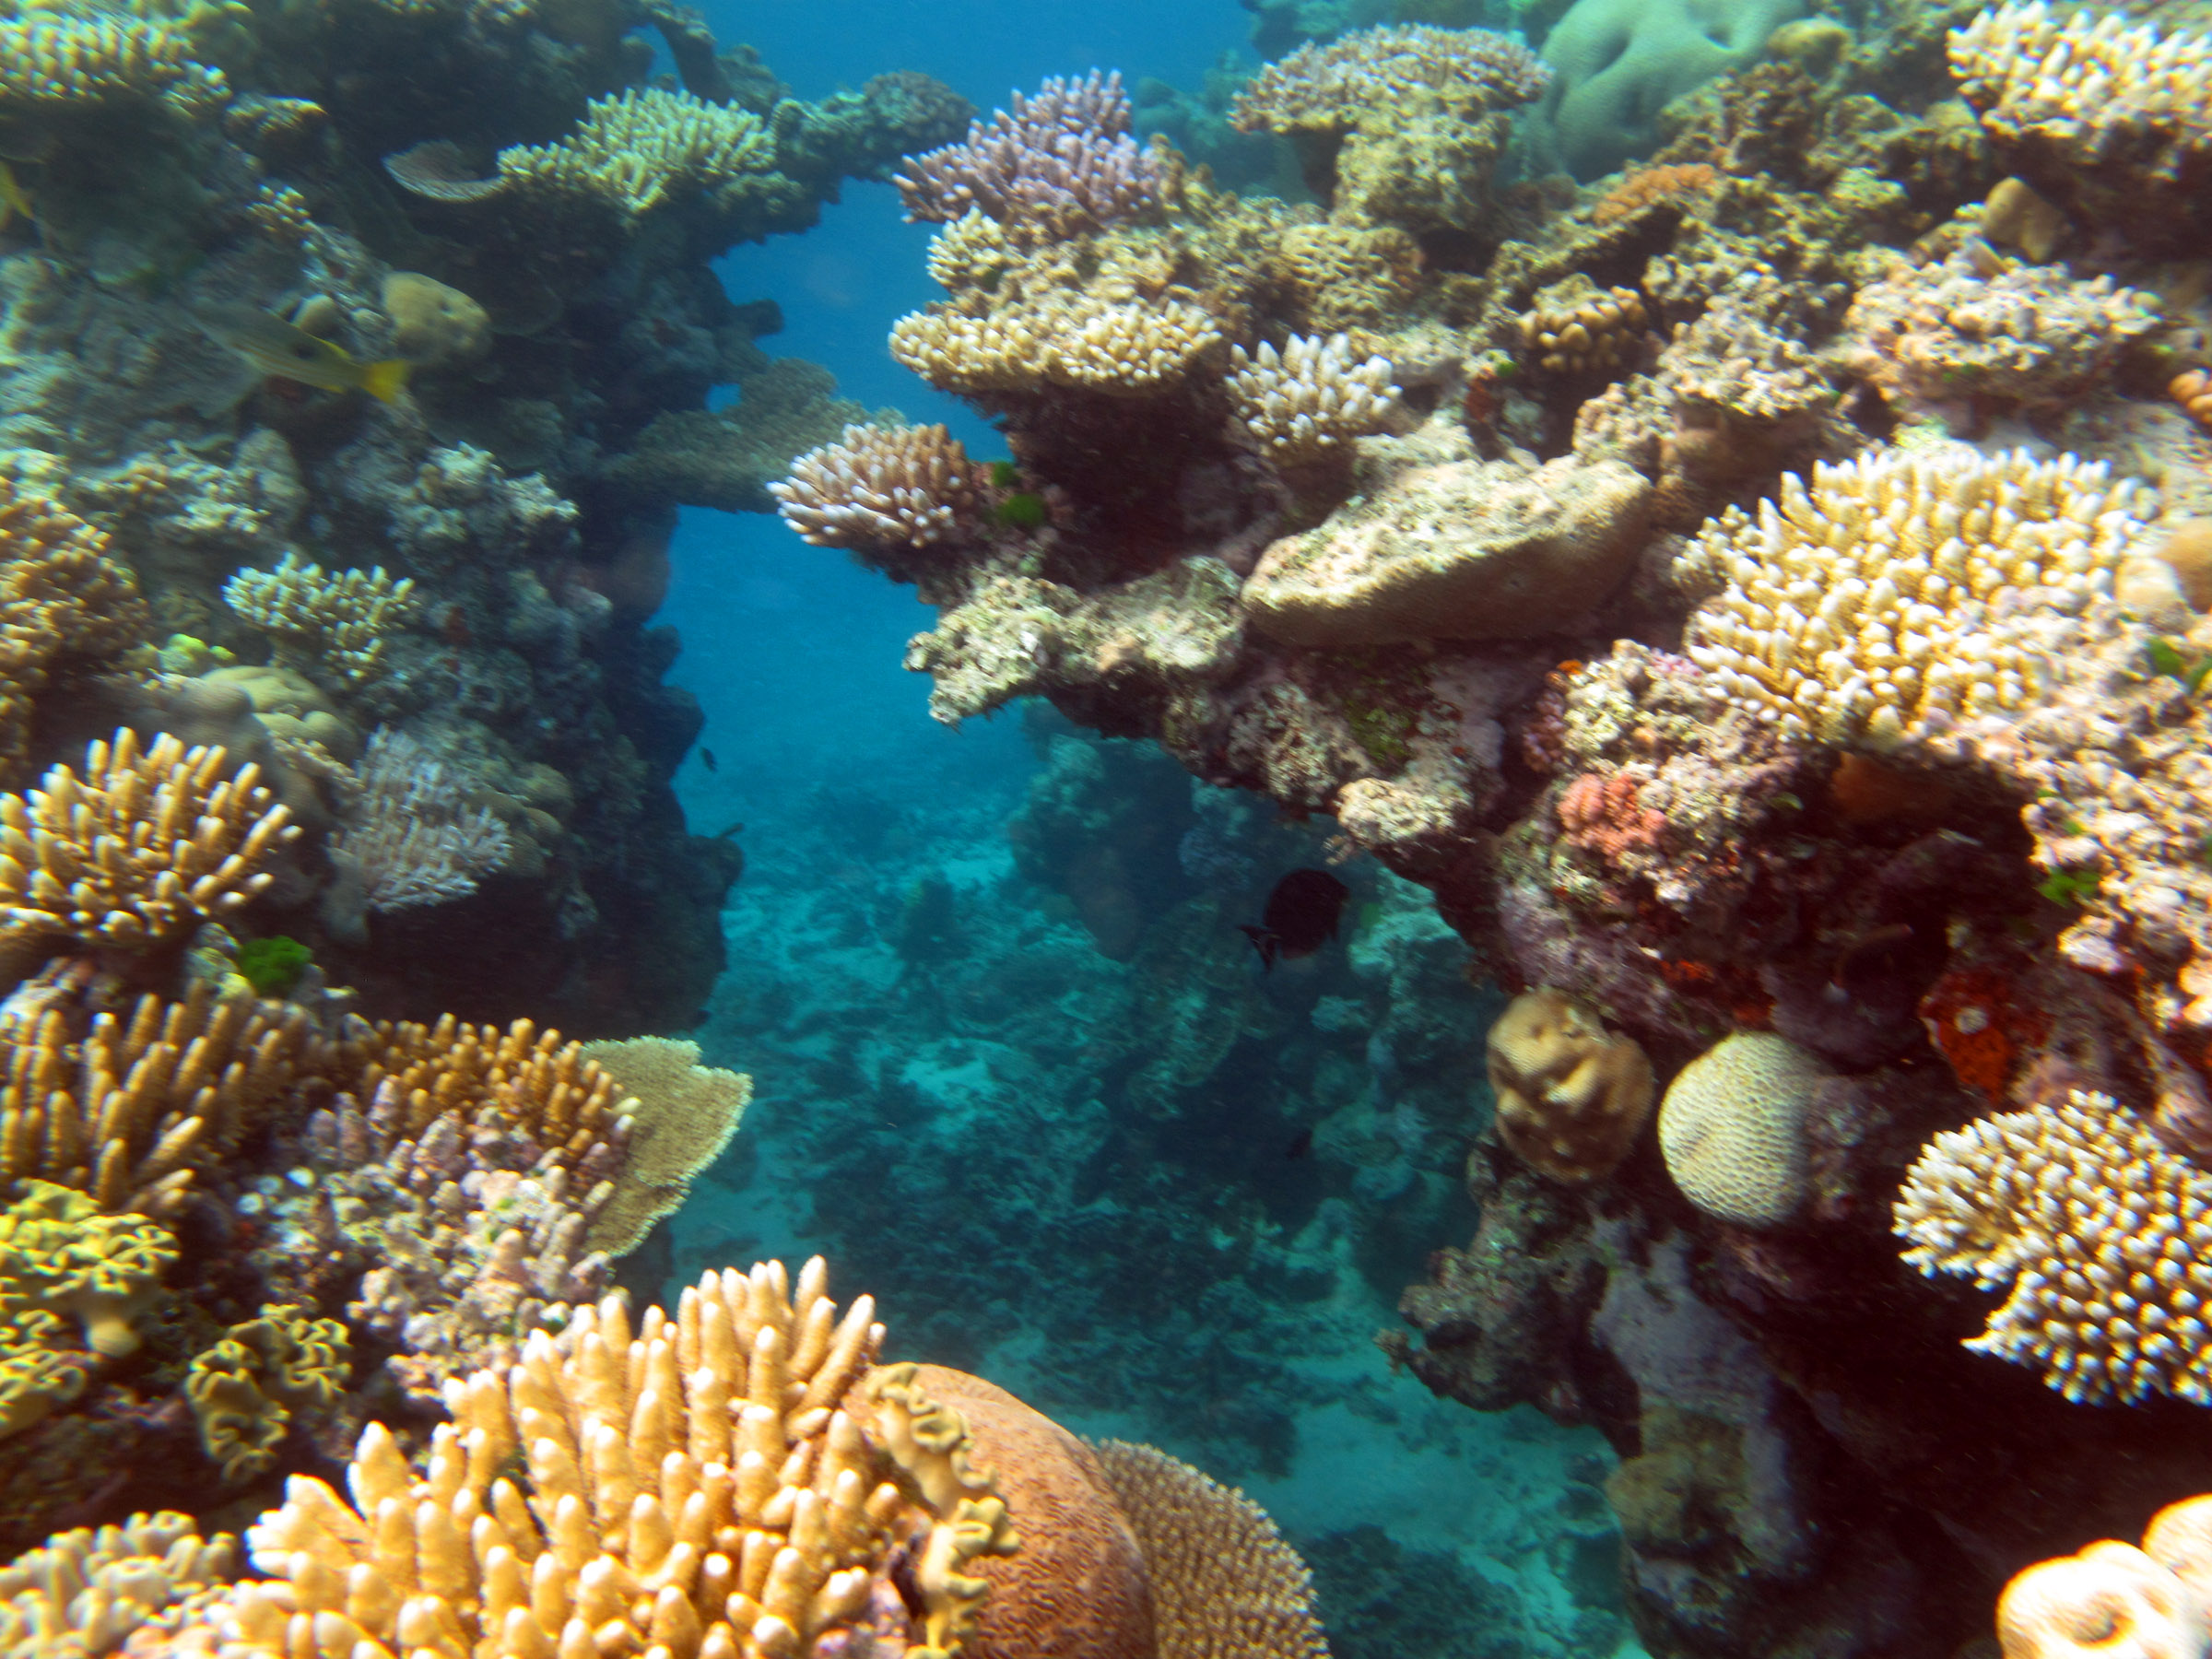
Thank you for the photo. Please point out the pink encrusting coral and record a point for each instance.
(1064, 160)
(1602, 813)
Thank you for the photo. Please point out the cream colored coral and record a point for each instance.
(82, 1594)
(1324, 87)
(2104, 1237)
(683, 1115)
(1571, 1097)
(881, 487)
(1224, 1583)
(2113, 1601)
(125, 1112)
(139, 848)
(1130, 347)
(317, 621)
(1866, 608)
(1309, 401)
(638, 149)
(48, 59)
(2094, 83)
(1732, 1127)
(705, 1487)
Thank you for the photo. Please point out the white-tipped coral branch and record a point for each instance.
(1309, 401)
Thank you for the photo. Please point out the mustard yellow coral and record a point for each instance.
(245, 1388)
(137, 850)
(316, 620)
(709, 1486)
(61, 1255)
(82, 1594)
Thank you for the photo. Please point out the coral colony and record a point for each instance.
(1748, 564)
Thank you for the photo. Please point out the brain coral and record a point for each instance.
(1732, 1127)
(2102, 1235)
(1571, 1097)
(1863, 608)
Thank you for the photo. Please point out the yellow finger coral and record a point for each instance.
(125, 1112)
(244, 1390)
(139, 848)
(711, 1486)
(1571, 1097)
(59, 1253)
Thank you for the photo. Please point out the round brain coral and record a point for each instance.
(1571, 1097)
(1732, 1127)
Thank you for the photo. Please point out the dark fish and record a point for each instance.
(706, 758)
(1301, 916)
(1302, 1145)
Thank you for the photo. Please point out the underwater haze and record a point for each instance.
(1224, 831)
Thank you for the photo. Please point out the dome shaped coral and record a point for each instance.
(1572, 1097)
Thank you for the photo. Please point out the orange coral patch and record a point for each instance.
(1978, 1028)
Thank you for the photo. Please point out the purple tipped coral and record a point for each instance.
(1063, 161)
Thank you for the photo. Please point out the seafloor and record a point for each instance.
(1653, 559)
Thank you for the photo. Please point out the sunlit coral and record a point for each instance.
(881, 487)
(639, 148)
(1323, 88)
(2102, 1237)
(81, 1594)
(1309, 401)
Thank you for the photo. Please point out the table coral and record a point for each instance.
(637, 150)
(136, 850)
(334, 625)
(682, 1117)
(1060, 161)
(1956, 334)
(2097, 1231)
(2100, 113)
(246, 1388)
(725, 1483)
(1862, 607)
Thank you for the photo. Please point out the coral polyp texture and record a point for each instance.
(2101, 112)
(61, 597)
(318, 622)
(1309, 401)
(1871, 605)
(1327, 88)
(409, 836)
(734, 1481)
(49, 60)
(1060, 161)
(2114, 1598)
(2100, 1235)
(881, 489)
(244, 1389)
(139, 848)
(1732, 1127)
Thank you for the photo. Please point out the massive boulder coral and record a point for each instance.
(1570, 1097)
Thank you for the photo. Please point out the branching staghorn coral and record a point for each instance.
(2103, 1236)
(881, 489)
(1062, 161)
(638, 149)
(1865, 608)
(1329, 87)
(245, 1389)
(138, 849)
(1308, 402)
(51, 61)
(316, 622)
(410, 836)
(711, 1486)
(82, 1594)
(126, 1112)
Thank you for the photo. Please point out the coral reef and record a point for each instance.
(2152, 1600)
(1732, 1128)
(1571, 1097)
(84, 1591)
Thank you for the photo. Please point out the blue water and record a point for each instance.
(945, 1129)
